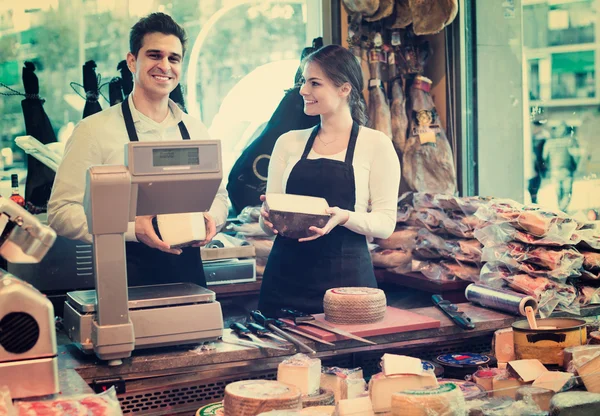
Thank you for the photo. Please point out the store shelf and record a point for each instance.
(565, 102)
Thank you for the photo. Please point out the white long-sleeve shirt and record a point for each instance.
(376, 176)
(100, 140)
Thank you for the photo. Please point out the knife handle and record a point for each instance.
(239, 329)
(257, 329)
(260, 318)
(451, 310)
(298, 316)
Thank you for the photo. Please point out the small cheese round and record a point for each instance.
(252, 397)
(446, 399)
(354, 305)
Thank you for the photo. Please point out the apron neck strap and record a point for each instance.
(351, 142)
(130, 126)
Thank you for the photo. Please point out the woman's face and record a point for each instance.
(321, 95)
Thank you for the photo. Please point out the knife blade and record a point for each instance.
(269, 323)
(301, 318)
(286, 327)
(451, 310)
(261, 331)
(242, 331)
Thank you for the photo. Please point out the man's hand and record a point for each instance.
(144, 231)
(338, 217)
(211, 230)
(265, 215)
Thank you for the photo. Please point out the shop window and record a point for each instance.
(241, 57)
(544, 119)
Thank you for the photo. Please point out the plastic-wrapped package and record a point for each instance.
(249, 215)
(431, 246)
(587, 295)
(446, 270)
(588, 238)
(387, 259)
(403, 237)
(103, 404)
(591, 261)
(501, 233)
(536, 261)
(404, 213)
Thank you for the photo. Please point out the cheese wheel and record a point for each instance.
(446, 400)
(252, 397)
(322, 398)
(354, 305)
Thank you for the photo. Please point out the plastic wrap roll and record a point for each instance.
(501, 299)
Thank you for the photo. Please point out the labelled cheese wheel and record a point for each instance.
(252, 397)
(470, 390)
(354, 305)
(462, 364)
(323, 398)
(214, 409)
(447, 399)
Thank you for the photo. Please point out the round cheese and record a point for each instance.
(215, 409)
(354, 305)
(446, 400)
(252, 397)
(323, 398)
(318, 411)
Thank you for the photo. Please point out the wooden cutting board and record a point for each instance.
(396, 320)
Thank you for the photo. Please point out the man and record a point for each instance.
(539, 137)
(561, 157)
(157, 46)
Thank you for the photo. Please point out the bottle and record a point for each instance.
(15, 197)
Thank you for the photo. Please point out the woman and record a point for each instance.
(349, 165)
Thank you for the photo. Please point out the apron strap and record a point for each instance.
(130, 126)
(311, 141)
(352, 143)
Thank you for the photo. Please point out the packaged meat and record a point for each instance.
(378, 107)
(387, 259)
(427, 161)
(397, 99)
(103, 404)
(431, 246)
(587, 295)
(429, 218)
(469, 251)
(446, 270)
(501, 233)
(405, 213)
(403, 238)
(591, 261)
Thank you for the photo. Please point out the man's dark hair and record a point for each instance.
(154, 23)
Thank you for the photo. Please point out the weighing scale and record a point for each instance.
(28, 352)
(158, 178)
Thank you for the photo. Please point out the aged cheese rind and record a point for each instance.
(302, 372)
(293, 215)
(381, 387)
(252, 397)
(354, 305)
(446, 399)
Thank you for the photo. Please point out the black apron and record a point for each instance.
(298, 274)
(150, 266)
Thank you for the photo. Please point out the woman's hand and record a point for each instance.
(144, 231)
(211, 230)
(264, 214)
(338, 217)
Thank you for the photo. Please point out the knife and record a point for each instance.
(301, 318)
(261, 331)
(286, 327)
(269, 323)
(242, 331)
(460, 318)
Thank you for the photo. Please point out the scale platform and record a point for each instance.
(162, 315)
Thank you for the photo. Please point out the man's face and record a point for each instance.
(157, 67)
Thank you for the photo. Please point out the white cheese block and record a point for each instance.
(485, 377)
(302, 372)
(526, 370)
(504, 345)
(252, 397)
(446, 399)
(381, 387)
(553, 380)
(354, 305)
(179, 230)
(393, 364)
(590, 374)
(355, 407)
(346, 383)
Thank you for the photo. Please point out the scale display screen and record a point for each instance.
(176, 157)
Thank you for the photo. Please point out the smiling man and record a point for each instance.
(157, 46)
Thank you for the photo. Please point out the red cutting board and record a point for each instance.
(396, 320)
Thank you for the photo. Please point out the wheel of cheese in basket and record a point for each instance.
(354, 305)
(443, 400)
(252, 397)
